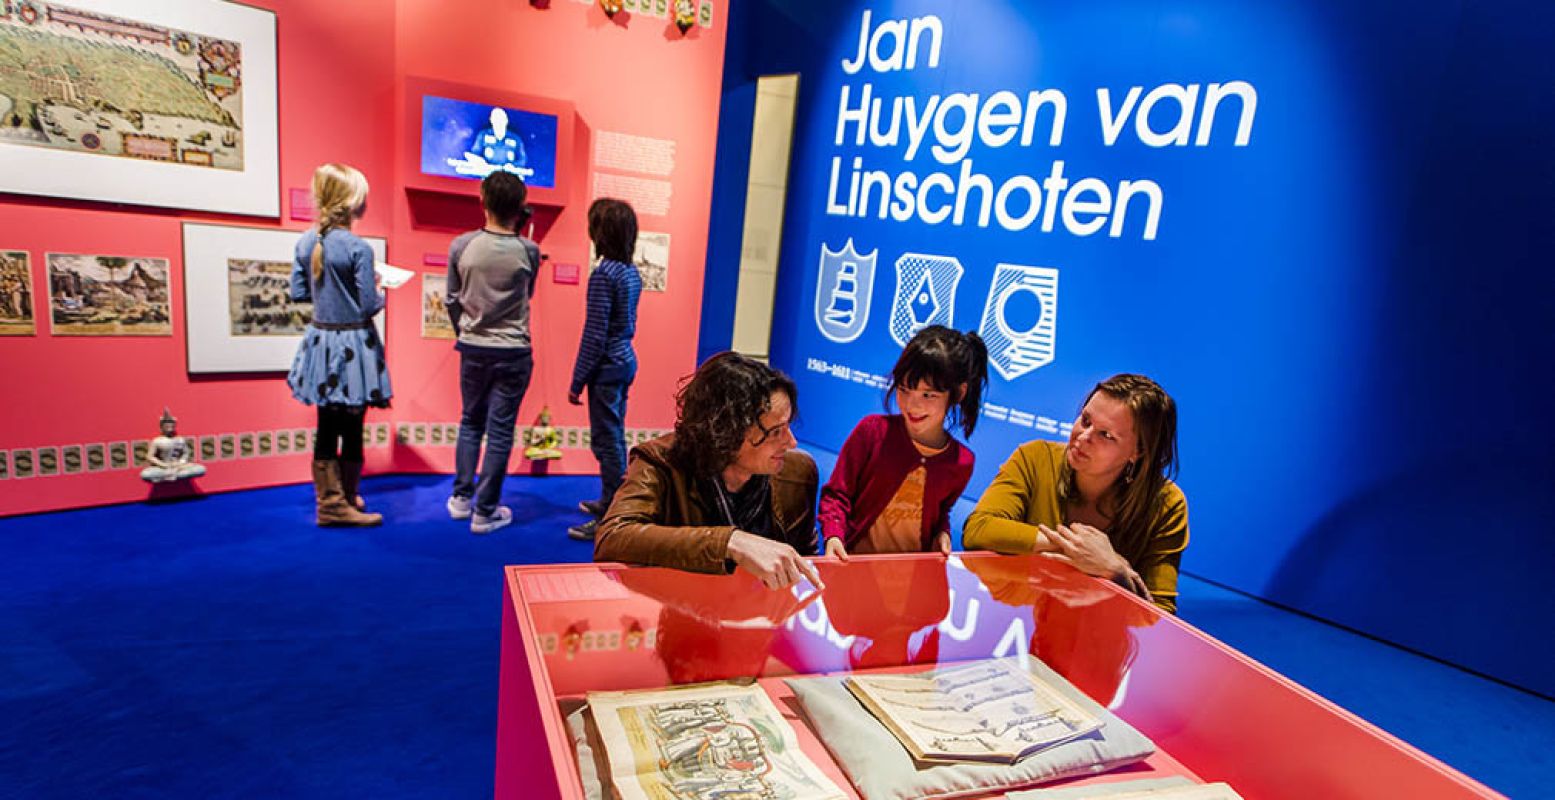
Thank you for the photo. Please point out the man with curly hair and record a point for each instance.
(727, 489)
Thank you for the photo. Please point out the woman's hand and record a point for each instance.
(942, 543)
(835, 549)
(1089, 550)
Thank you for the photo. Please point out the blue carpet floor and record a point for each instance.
(226, 647)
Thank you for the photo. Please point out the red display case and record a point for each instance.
(1214, 714)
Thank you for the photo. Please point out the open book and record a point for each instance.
(994, 710)
(706, 741)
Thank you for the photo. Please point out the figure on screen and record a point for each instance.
(495, 147)
(171, 458)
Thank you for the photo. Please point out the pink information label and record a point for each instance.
(565, 273)
(302, 205)
(434, 259)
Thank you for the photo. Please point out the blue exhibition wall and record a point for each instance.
(1324, 226)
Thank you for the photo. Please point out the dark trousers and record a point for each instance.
(607, 428)
(492, 389)
(339, 433)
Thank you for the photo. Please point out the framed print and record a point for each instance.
(239, 316)
(48, 461)
(434, 311)
(451, 432)
(166, 103)
(402, 433)
(245, 445)
(119, 455)
(209, 448)
(381, 434)
(96, 458)
(283, 442)
(5, 465)
(22, 463)
(108, 296)
(17, 296)
(266, 443)
(300, 440)
(70, 456)
(229, 446)
(139, 450)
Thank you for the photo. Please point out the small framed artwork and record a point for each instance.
(435, 433)
(5, 465)
(96, 458)
(48, 461)
(434, 311)
(71, 460)
(16, 294)
(402, 433)
(588, 438)
(419, 433)
(245, 445)
(210, 448)
(140, 449)
(229, 446)
(96, 295)
(23, 463)
(283, 442)
(266, 441)
(300, 440)
(572, 438)
(119, 455)
(381, 434)
(451, 433)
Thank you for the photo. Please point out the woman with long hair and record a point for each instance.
(1105, 501)
(339, 367)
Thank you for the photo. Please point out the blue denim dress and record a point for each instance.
(341, 359)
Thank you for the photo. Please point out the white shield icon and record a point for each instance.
(843, 292)
(1015, 351)
(925, 294)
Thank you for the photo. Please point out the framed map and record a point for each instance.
(159, 102)
(237, 298)
(108, 296)
(16, 293)
(651, 256)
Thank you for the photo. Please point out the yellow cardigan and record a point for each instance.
(1025, 495)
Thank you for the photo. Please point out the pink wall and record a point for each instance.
(341, 65)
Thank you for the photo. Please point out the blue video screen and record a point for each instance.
(473, 140)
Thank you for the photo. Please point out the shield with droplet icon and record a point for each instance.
(925, 294)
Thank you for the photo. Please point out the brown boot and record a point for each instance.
(351, 482)
(332, 506)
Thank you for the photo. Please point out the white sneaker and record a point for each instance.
(479, 523)
(460, 507)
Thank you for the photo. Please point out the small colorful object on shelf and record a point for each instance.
(685, 15)
(611, 7)
(171, 458)
(545, 441)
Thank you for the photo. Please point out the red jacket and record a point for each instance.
(874, 461)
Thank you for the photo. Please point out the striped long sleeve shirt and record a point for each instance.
(614, 288)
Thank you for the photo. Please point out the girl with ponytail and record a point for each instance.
(339, 366)
(898, 474)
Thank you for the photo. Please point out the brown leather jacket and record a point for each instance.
(661, 517)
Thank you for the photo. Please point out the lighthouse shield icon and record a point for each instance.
(843, 292)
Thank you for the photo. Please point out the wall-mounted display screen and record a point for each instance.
(472, 140)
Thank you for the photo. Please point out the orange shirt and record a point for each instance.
(899, 527)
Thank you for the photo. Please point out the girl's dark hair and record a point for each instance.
(944, 359)
(718, 404)
(1136, 496)
(613, 229)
